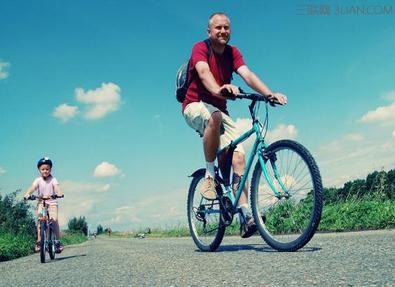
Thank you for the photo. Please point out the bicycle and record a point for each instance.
(47, 229)
(285, 191)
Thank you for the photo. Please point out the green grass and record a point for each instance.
(349, 215)
(69, 238)
(14, 246)
(354, 215)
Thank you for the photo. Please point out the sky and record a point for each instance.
(91, 84)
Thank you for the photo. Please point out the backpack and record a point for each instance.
(182, 77)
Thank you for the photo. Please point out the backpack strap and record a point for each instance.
(228, 51)
(209, 50)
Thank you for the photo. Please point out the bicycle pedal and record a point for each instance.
(226, 210)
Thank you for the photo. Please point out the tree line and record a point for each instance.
(378, 184)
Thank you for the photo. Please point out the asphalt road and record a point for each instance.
(333, 259)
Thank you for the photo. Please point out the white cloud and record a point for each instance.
(99, 102)
(2, 170)
(354, 156)
(381, 114)
(390, 95)
(65, 112)
(106, 169)
(3, 69)
(165, 209)
(282, 131)
(80, 199)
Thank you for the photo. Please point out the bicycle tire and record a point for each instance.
(51, 241)
(204, 217)
(43, 240)
(287, 223)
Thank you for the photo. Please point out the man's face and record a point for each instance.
(219, 30)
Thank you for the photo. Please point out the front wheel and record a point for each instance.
(43, 235)
(204, 217)
(286, 195)
(51, 242)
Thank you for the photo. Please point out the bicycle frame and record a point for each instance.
(46, 228)
(258, 149)
(285, 193)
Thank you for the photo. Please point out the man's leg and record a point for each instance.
(238, 164)
(248, 226)
(211, 141)
(211, 138)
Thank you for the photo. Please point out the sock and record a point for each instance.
(244, 211)
(210, 170)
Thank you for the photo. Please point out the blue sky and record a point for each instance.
(91, 85)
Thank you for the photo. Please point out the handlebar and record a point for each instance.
(250, 96)
(34, 197)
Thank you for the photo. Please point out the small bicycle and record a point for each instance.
(285, 191)
(47, 229)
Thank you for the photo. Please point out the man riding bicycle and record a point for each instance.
(205, 106)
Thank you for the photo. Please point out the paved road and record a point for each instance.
(335, 259)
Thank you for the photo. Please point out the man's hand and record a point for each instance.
(229, 91)
(278, 98)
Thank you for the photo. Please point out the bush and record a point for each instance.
(15, 216)
(78, 225)
(14, 246)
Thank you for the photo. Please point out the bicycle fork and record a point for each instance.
(263, 157)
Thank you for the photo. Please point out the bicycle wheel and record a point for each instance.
(204, 217)
(287, 220)
(51, 241)
(43, 240)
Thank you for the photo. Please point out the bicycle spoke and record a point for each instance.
(287, 217)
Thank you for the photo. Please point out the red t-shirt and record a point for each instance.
(221, 68)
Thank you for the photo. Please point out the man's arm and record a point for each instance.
(255, 83)
(209, 81)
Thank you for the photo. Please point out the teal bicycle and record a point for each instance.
(285, 190)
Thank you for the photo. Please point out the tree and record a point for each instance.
(78, 225)
(99, 229)
(15, 216)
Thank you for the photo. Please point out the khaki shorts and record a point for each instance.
(52, 209)
(197, 116)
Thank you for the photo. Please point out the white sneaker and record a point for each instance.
(207, 190)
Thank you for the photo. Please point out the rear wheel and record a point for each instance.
(204, 217)
(51, 241)
(43, 240)
(287, 220)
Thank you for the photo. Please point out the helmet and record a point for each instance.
(44, 160)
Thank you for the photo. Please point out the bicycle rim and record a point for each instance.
(287, 221)
(43, 240)
(51, 243)
(204, 218)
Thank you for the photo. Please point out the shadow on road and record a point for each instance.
(70, 257)
(259, 248)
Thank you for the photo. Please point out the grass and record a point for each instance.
(14, 246)
(349, 215)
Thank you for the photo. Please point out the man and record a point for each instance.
(205, 109)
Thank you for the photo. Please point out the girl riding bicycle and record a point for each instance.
(46, 185)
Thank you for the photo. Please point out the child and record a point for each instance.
(46, 186)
